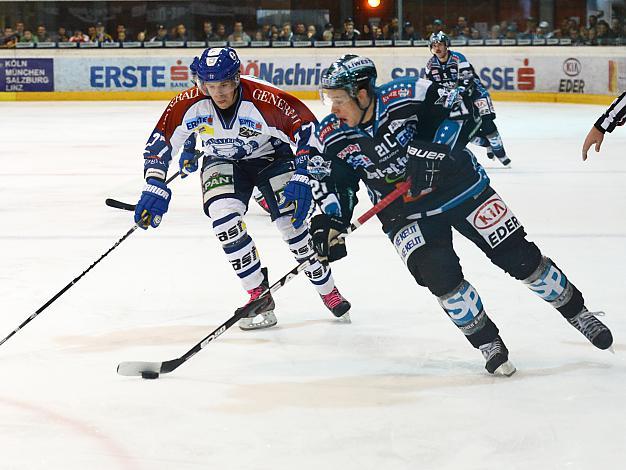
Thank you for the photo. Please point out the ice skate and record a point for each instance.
(261, 308)
(338, 305)
(593, 329)
(497, 356)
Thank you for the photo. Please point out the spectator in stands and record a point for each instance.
(42, 34)
(238, 33)
(19, 29)
(542, 30)
(121, 37)
(9, 39)
(591, 37)
(61, 35)
(207, 32)
(119, 28)
(28, 37)
(438, 26)
(593, 21)
(161, 34)
(141, 36)
(511, 32)
(377, 32)
(259, 35)
(220, 32)
(91, 32)
(366, 31)
(181, 33)
(575, 36)
(531, 29)
(299, 32)
(603, 34)
(616, 28)
(349, 33)
(266, 31)
(78, 36)
(409, 31)
(101, 34)
(476, 34)
(459, 27)
(311, 33)
(394, 29)
(494, 32)
(273, 33)
(285, 33)
(327, 35)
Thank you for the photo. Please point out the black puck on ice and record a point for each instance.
(148, 374)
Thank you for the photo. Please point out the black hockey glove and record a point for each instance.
(423, 165)
(325, 230)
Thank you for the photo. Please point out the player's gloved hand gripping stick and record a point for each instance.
(151, 370)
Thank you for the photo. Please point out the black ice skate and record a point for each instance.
(497, 356)
(593, 329)
(337, 304)
(262, 307)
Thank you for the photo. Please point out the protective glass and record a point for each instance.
(334, 97)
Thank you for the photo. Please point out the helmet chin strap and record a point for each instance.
(364, 110)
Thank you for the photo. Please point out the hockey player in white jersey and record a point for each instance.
(243, 128)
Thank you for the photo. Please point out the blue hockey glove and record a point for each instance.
(299, 192)
(188, 162)
(325, 230)
(424, 164)
(153, 204)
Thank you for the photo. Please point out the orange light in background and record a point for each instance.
(373, 3)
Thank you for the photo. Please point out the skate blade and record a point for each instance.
(345, 318)
(269, 320)
(507, 369)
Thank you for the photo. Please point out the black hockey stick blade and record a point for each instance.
(120, 205)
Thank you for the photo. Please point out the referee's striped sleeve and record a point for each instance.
(614, 116)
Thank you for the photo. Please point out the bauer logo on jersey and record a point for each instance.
(494, 221)
(198, 120)
(407, 240)
(397, 93)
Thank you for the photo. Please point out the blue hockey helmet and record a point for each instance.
(438, 37)
(217, 64)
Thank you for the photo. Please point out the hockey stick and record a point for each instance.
(153, 369)
(76, 279)
(131, 207)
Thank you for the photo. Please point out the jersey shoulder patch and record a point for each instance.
(406, 89)
(329, 126)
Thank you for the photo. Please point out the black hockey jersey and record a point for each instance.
(405, 109)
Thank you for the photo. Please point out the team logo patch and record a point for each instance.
(328, 129)
(397, 93)
(198, 120)
(494, 221)
(351, 148)
(251, 123)
(246, 132)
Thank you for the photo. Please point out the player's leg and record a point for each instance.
(426, 248)
(271, 183)
(489, 130)
(226, 192)
(496, 230)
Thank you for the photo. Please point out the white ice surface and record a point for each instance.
(398, 389)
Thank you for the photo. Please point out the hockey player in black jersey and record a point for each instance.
(451, 69)
(388, 134)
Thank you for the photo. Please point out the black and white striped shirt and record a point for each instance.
(614, 116)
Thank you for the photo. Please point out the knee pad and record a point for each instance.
(437, 269)
(517, 256)
(465, 308)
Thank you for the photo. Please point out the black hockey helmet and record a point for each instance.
(351, 73)
(439, 37)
